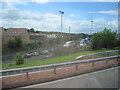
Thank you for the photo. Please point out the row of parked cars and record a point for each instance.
(37, 53)
(83, 42)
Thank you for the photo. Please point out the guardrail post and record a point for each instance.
(27, 76)
(92, 64)
(54, 70)
(106, 61)
(103, 54)
(76, 66)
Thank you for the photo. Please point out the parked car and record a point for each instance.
(69, 43)
(35, 54)
(85, 41)
(44, 52)
(51, 50)
(27, 55)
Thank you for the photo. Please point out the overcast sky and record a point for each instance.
(43, 15)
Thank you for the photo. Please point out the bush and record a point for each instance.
(10, 44)
(15, 43)
(19, 59)
(104, 39)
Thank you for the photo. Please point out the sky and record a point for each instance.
(43, 15)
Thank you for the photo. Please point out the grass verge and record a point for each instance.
(61, 59)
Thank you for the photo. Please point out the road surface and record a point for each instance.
(107, 78)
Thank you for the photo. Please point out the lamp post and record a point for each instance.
(61, 21)
(91, 26)
(69, 32)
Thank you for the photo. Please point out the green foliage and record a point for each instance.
(40, 42)
(18, 41)
(83, 35)
(15, 43)
(31, 30)
(11, 44)
(104, 39)
(19, 59)
(58, 40)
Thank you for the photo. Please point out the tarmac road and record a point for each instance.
(107, 78)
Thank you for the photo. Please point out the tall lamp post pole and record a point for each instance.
(61, 21)
(69, 32)
(91, 26)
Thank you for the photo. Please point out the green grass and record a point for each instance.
(61, 59)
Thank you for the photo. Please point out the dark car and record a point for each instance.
(27, 56)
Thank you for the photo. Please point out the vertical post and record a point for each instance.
(76, 66)
(106, 61)
(92, 64)
(61, 21)
(54, 70)
(69, 32)
(91, 27)
(27, 75)
(61, 25)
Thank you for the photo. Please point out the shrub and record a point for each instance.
(19, 59)
(104, 39)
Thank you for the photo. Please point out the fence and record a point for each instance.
(101, 53)
(53, 67)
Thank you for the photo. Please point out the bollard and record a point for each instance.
(27, 75)
(92, 64)
(54, 70)
(76, 66)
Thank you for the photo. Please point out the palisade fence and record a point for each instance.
(53, 67)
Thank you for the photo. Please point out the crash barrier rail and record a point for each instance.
(53, 67)
(101, 53)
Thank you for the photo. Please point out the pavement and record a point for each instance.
(107, 78)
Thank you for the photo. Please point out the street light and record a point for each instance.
(91, 26)
(69, 32)
(61, 21)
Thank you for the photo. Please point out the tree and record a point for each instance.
(14, 43)
(18, 41)
(32, 30)
(19, 59)
(10, 44)
(104, 39)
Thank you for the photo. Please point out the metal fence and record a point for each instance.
(101, 53)
(53, 67)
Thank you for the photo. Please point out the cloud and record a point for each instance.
(73, 15)
(84, 0)
(112, 12)
(14, 17)
(40, 1)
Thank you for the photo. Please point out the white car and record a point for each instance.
(69, 43)
(35, 53)
(84, 42)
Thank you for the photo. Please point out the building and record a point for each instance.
(34, 37)
(18, 32)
